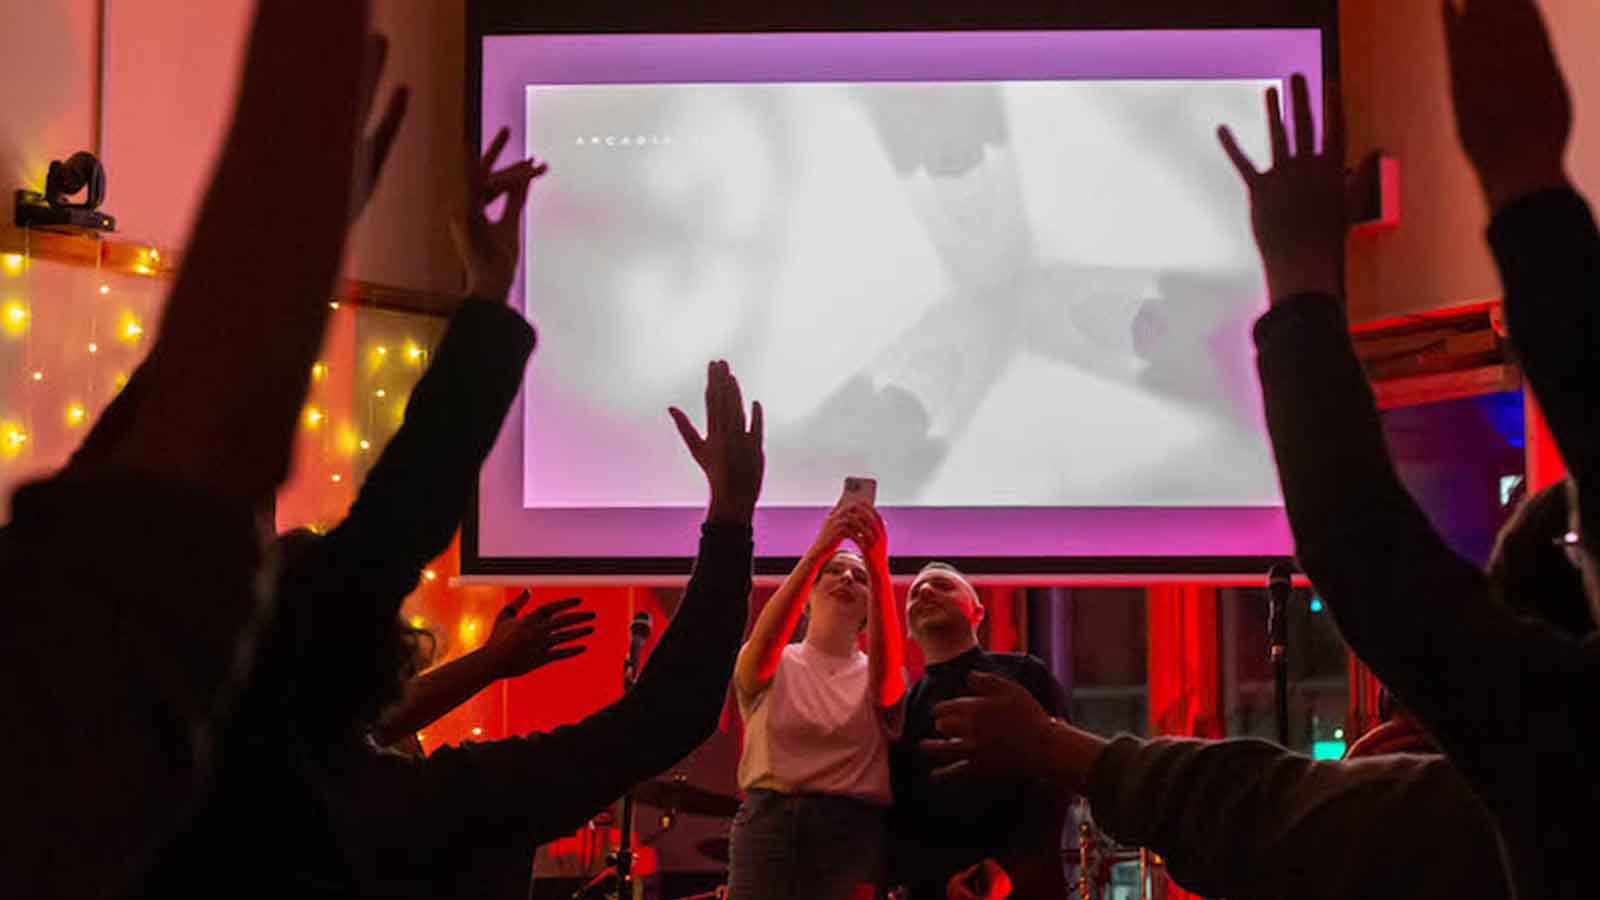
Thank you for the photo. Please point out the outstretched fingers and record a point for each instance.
(1305, 127)
(691, 436)
(1230, 145)
(1275, 128)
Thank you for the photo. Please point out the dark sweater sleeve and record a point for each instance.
(525, 791)
(414, 497)
(1410, 608)
(1247, 819)
(416, 493)
(1548, 252)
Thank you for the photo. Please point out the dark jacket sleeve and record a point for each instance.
(416, 493)
(1247, 819)
(1033, 856)
(413, 499)
(523, 791)
(1548, 251)
(1416, 613)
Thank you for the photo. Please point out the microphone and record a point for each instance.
(1278, 588)
(638, 633)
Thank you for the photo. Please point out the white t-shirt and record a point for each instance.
(816, 729)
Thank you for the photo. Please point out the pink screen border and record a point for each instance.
(506, 532)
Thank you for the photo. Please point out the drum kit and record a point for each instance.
(672, 797)
(1100, 868)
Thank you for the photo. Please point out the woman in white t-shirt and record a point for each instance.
(819, 717)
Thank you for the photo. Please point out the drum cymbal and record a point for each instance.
(665, 793)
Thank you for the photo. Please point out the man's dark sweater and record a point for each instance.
(939, 828)
(1512, 702)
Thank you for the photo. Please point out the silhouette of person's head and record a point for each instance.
(323, 667)
(1529, 569)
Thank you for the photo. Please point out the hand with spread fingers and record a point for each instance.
(516, 646)
(730, 453)
(1002, 730)
(490, 250)
(1298, 206)
(519, 644)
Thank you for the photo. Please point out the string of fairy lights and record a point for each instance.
(66, 373)
(66, 383)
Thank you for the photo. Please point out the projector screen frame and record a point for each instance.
(487, 18)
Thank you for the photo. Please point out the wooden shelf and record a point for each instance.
(78, 248)
(117, 255)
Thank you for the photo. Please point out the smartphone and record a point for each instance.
(859, 490)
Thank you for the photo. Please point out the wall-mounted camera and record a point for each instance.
(55, 208)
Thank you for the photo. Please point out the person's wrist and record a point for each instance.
(821, 548)
(1072, 755)
(722, 511)
(1293, 281)
(1503, 187)
(491, 662)
(494, 291)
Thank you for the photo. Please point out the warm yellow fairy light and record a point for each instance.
(333, 304)
(38, 376)
(429, 574)
(76, 414)
(477, 731)
(128, 328)
(94, 348)
(348, 439)
(12, 263)
(105, 289)
(413, 352)
(380, 393)
(120, 380)
(155, 255)
(468, 631)
(382, 350)
(319, 371)
(418, 622)
(12, 438)
(336, 478)
(365, 444)
(314, 416)
(14, 318)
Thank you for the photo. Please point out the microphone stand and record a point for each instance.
(620, 868)
(624, 854)
(1278, 587)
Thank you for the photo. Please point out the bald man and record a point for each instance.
(966, 837)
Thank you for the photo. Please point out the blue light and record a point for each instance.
(1316, 604)
(1505, 413)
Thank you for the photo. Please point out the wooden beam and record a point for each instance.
(1446, 386)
